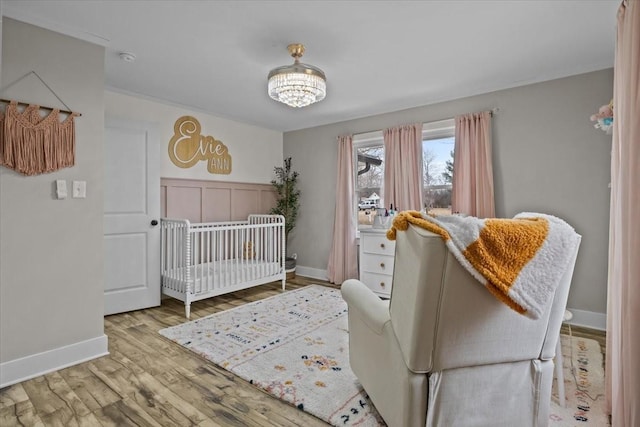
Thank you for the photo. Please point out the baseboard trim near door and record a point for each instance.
(25, 368)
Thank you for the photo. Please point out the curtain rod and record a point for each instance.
(46, 108)
(492, 112)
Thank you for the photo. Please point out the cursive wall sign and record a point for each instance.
(187, 147)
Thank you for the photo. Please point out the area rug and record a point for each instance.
(583, 385)
(294, 346)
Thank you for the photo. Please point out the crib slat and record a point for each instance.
(238, 255)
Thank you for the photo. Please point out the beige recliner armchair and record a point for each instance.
(443, 351)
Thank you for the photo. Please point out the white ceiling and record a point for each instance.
(379, 56)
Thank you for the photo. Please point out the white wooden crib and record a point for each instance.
(203, 260)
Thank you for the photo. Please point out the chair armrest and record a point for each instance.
(362, 302)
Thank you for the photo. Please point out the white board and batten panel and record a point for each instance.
(131, 208)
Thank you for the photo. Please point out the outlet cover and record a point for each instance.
(79, 189)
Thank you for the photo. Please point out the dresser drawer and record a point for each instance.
(374, 263)
(378, 283)
(378, 244)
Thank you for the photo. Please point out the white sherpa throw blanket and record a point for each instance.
(519, 260)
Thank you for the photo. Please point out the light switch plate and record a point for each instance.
(61, 189)
(79, 189)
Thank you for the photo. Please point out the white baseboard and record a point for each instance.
(588, 319)
(25, 368)
(314, 273)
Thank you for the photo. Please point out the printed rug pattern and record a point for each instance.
(295, 346)
(583, 385)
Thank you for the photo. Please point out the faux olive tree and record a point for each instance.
(288, 199)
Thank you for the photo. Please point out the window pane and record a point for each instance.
(437, 159)
(369, 183)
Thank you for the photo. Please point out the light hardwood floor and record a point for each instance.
(148, 380)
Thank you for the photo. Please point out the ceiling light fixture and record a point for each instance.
(297, 85)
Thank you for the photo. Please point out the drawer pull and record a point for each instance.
(382, 284)
(382, 265)
(382, 245)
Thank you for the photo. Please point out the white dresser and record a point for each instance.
(376, 260)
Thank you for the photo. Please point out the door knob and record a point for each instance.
(154, 222)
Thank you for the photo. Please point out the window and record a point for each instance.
(369, 180)
(437, 167)
(438, 142)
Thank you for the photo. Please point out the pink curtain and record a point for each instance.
(343, 259)
(472, 192)
(622, 370)
(403, 167)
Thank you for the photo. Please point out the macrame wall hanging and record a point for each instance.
(32, 144)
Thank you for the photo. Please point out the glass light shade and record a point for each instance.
(297, 85)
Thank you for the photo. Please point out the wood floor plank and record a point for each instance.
(163, 405)
(63, 417)
(115, 378)
(125, 413)
(20, 414)
(89, 388)
(57, 402)
(51, 394)
(148, 380)
(12, 395)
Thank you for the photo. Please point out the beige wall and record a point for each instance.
(51, 257)
(254, 150)
(547, 158)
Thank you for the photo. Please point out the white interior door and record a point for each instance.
(131, 216)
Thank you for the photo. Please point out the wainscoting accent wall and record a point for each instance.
(211, 201)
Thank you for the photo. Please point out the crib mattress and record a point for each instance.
(229, 272)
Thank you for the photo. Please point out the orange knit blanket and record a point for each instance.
(520, 260)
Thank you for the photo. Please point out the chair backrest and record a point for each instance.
(443, 318)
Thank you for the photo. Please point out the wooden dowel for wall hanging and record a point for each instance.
(43, 107)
